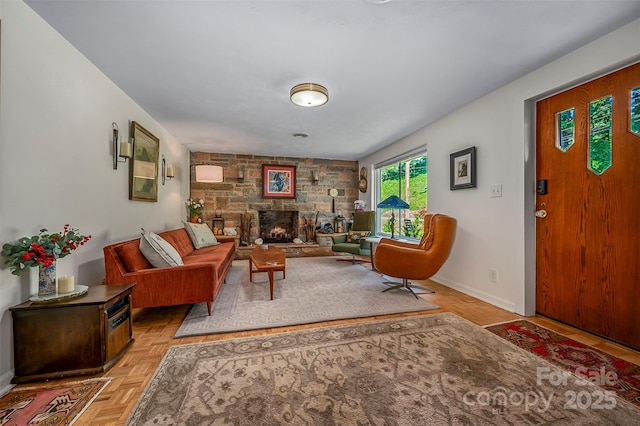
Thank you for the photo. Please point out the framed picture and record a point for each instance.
(143, 167)
(278, 181)
(462, 169)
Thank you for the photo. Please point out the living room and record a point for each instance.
(56, 164)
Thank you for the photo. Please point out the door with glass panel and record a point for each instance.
(588, 216)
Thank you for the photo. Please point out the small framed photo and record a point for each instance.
(278, 181)
(462, 169)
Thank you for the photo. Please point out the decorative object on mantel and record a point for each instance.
(217, 225)
(245, 228)
(310, 228)
(195, 210)
(43, 250)
(359, 205)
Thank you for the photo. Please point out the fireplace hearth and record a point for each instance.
(278, 226)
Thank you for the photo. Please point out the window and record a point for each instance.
(406, 178)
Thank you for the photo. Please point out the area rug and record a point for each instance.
(436, 369)
(49, 405)
(611, 373)
(315, 289)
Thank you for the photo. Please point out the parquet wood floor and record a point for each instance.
(153, 331)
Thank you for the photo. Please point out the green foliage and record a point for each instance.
(600, 134)
(635, 110)
(42, 249)
(567, 128)
(393, 183)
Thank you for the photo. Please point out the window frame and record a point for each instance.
(377, 188)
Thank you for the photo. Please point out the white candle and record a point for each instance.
(170, 172)
(66, 284)
(125, 149)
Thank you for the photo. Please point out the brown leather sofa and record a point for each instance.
(198, 280)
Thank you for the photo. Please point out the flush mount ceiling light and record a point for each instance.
(309, 95)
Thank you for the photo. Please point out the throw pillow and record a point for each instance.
(158, 251)
(200, 234)
(356, 236)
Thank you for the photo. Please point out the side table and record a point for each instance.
(373, 242)
(80, 336)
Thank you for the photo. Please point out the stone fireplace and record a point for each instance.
(278, 226)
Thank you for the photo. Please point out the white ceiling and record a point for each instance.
(217, 74)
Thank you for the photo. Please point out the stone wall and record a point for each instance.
(235, 197)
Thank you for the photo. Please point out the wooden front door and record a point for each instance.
(588, 244)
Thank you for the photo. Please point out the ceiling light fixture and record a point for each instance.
(309, 95)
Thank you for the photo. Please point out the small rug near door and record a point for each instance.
(316, 289)
(431, 369)
(49, 405)
(611, 373)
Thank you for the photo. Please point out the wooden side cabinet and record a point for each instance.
(84, 335)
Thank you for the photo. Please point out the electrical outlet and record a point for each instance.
(495, 191)
(493, 275)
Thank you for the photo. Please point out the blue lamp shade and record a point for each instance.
(393, 202)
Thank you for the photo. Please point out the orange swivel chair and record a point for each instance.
(416, 261)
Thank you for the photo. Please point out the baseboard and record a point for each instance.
(485, 297)
(5, 382)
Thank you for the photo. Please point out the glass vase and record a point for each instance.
(47, 279)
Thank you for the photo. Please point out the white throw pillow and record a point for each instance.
(158, 251)
(200, 234)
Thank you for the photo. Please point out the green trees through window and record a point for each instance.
(566, 126)
(600, 124)
(408, 180)
(635, 111)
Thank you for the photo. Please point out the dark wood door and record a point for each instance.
(588, 245)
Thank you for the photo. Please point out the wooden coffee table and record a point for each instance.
(267, 260)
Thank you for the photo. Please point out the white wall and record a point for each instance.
(498, 233)
(56, 111)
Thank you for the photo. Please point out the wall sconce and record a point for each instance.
(314, 177)
(240, 174)
(167, 171)
(125, 148)
(209, 174)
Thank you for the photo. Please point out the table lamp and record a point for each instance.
(393, 202)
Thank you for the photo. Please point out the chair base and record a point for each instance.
(353, 260)
(406, 285)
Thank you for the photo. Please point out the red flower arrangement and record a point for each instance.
(42, 249)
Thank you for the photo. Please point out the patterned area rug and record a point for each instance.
(436, 369)
(49, 405)
(316, 289)
(609, 372)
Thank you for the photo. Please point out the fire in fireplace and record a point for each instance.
(278, 226)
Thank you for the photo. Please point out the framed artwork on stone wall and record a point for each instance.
(278, 181)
